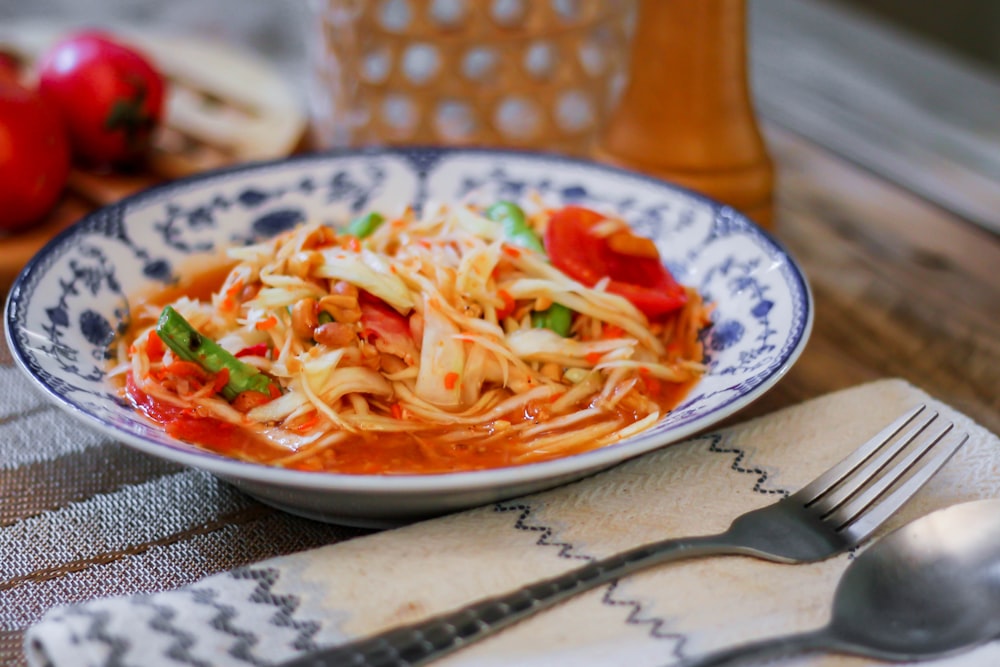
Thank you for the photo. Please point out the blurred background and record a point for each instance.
(864, 78)
(969, 29)
(273, 29)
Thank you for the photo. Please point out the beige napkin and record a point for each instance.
(276, 608)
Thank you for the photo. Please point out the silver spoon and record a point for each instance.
(927, 590)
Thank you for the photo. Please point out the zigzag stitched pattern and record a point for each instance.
(98, 630)
(242, 649)
(567, 550)
(283, 618)
(758, 486)
(545, 532)
(183, 641)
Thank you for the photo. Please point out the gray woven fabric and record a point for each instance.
(84, 517)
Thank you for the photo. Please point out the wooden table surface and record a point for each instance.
(902, 288)
(905, 277)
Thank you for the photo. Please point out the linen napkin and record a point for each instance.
(277, 608)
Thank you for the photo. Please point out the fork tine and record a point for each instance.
(863, 474)
(869, 510)
(810, 492)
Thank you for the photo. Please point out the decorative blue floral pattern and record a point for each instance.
(69, 303)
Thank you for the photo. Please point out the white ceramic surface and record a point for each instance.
(71, 300)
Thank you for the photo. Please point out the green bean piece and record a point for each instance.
(364, 225)
(185, 342)
(324, 317)
(516, 229)
(515, 225)
(556, 317)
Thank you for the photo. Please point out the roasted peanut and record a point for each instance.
(304, 317)
(249, 291)
(302, 263)
(417, 326)
(338, 301)
(370, 356)
(551, 370)
(341, 307)
(543, 303)
(344, 288)
(334, 334)
(319, 237)
(344, 315)
(473, 310)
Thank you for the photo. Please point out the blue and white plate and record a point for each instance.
(72, 300)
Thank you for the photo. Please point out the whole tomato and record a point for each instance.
(109, 95)
(34, 156)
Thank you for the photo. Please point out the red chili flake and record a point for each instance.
(508, 304)
(450, 380)
(308, 423)
(593, 358)
(155, 348)
(182, 368)
(269, 323)
(247, 400)
(613, 331)
(229, 300)
(512, 251)
(221, 380)
(258, 350)
(396, 411)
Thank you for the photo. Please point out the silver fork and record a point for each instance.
(833, 513)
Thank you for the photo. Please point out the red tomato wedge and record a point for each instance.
(582, 255)
(385, 328)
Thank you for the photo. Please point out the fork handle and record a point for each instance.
(437, 636)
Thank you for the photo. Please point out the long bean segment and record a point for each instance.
(515, 225)
(189, 345)
(364, 225)
(556, 317)
(516, 229)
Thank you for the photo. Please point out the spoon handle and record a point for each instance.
(773, 647)
(434, 637)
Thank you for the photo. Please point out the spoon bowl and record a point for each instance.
(928, 590)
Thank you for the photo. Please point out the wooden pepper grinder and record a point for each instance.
(685, 114)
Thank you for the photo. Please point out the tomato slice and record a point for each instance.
(582, 255)
(156, 410)
(385, 328)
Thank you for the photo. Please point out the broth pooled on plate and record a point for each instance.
(458, 339)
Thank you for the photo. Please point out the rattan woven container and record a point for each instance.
(519, 73)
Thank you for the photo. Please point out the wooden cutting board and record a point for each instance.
(223, 107)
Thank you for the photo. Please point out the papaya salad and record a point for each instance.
(456, 339)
